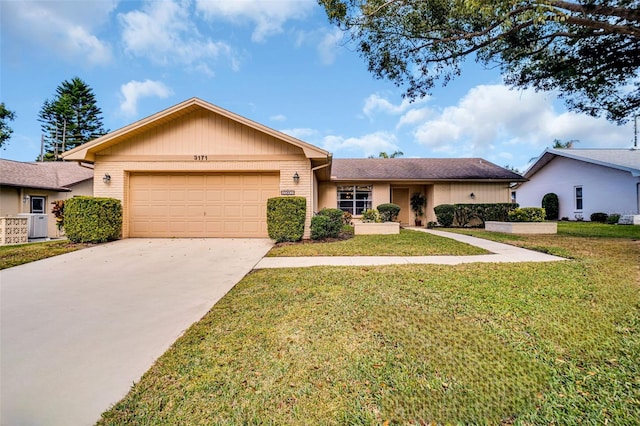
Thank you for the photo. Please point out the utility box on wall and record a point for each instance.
(37, 224)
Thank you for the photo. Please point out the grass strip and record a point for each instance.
(407, 243)
(15, 255)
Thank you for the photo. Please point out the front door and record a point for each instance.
(400, 196)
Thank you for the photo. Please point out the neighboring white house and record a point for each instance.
(586, 181)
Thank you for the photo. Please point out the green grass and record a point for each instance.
(527, 344)
(598, 230)
(407, 243)
(24, 253)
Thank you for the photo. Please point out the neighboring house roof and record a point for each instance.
(51, 175)
(86, 151)
(621, 159)
(432, 169)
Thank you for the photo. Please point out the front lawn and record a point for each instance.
(24, 253)
(528, 343)
(407, 243)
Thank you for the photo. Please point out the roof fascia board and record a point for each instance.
(422, 181)
(575, 156)
(45, 188)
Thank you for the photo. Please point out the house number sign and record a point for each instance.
(200, 157)
(287, 192)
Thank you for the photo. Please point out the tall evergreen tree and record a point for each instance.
(71, 118)
(6, 115)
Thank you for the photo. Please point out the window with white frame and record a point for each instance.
(354, 199)
(38, 205)
(578, 190)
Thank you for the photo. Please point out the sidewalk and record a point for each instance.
(500, 253)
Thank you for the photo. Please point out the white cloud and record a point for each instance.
(303, 134)
(267, 16)
(134, 90)
(278, 117)
(164, 32)
(371, 144)
(66, 29)
(329, 45)
(414, 117)
(492, 117)
(376, 103)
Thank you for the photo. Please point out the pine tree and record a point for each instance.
(6, 115)
(71, 118)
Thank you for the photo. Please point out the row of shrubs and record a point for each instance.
(611, 219)
(286, 215)
(466, 214)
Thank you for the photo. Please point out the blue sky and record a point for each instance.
(280, 63)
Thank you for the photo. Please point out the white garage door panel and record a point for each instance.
(200, 205)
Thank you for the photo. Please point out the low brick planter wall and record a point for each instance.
(361, 228)
(522, 227)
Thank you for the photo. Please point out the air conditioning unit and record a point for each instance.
(38, 225)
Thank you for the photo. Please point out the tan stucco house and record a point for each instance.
(30, 188)
(197, 170)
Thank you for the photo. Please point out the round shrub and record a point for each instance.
(613, 218)
(370, 216)
(388, 212)
(319, 227)
(599, 217)
(445, 214)
(335, 223)
(551, 205)
(527, 214)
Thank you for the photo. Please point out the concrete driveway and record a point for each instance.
(77, 330)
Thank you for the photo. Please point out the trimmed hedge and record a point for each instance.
(463, 214)
(527, 214)
(92, 219)
(445, 214)
(599, 217)
(551, 205)
(285, 218)
(327, 224)
(388, 212)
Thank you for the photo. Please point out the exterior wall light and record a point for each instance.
(296, 177)
(106, 178)
(472, 195)
(26, 199)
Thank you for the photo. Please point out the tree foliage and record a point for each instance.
(588, 50)
(558, 144)
(383, 154)
(71, 118)
(6, 115)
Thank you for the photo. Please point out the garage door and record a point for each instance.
(200, 204)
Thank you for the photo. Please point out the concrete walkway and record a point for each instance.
(77, 330)
(500, 253)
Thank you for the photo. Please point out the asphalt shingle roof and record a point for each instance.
(420, 169)
(53, 175)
